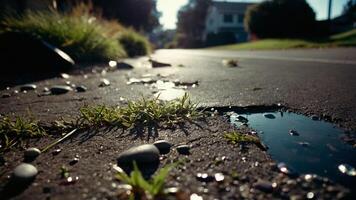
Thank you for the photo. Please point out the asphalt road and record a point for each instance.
(314, 81)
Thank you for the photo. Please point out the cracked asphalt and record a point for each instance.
(312, 81)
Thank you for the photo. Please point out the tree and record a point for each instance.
(350, 10)
(280, 19)
(191, 23)
(139, 14)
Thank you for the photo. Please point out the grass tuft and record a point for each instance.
(236, 137)
(143, 112)
(14, 132)
(83, 37)
(145, 188)
(134, 43)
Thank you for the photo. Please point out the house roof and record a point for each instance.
(231, 6)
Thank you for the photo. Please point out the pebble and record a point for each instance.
(269, 116)
(104, 82)
(143, 155)
(183, 149)
(28, 87)
(219, 177)
(347, 169)
(204, 177)
(65, 76)
(163, 146)
(31, 154)
(74, 161)
(81, 88)
(284, 169)
(60, 89)
(195, 197)
(293, 133)
(24, 173)
(56, 151)
(264, 186)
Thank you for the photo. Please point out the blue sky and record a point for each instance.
(169, 9)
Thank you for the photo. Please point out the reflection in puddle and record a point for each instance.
(316, 149)
(167, 90)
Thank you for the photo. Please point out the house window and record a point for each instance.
(241, 18)
(228, 18)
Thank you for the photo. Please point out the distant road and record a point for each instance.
(320, 81)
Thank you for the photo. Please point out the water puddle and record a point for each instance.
(308, 146)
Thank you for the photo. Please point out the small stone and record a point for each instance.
(45, 89)
(104, 82)
(146, 157)
(183, 149)
(6, 95)
(65, 76)
(269, 116)
(112, 63)
(293, 133)
(81, 88)
(204, 177)
(284, 169)
(195, 197)
(60, 89)
(264, 186)
(56, 151)
(74, 161)
(163, 146)
(347, 169)
(28, 87)
(31, 154)
(24, 173)
(219, 177)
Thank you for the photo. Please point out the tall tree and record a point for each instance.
(140, 14)
(191, 23)
(280, 18)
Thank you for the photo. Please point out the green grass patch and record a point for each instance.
(134, 43)
(143, 112)
(236, 137)
(14, 131)
(142, 188)
(343, 39)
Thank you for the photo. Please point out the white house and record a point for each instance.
(227, 17)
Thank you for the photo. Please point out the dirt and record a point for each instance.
(210, 153)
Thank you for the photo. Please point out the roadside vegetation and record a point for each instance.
(14, 132)
(141, 113)
(343, 39)
(142, 188)
(145, 112)
(80, 34)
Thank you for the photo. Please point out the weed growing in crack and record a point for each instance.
(14, 132)
(142, 188)
(144, 112)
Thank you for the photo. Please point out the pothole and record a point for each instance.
(307, 145)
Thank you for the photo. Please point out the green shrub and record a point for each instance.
(134, 43)
(83, 37)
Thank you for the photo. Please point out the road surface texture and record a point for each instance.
(318, 82)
